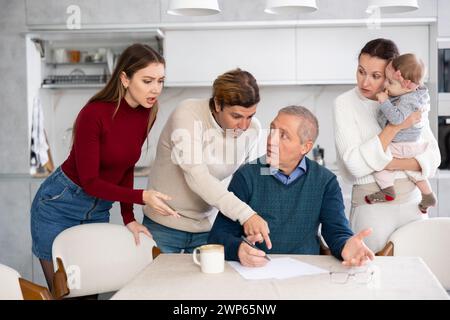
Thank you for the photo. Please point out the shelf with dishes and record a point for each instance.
(66, 68)
(76, 79)
(73, 86)
(56, 64)
(64, 55)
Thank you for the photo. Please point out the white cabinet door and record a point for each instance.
(197, 57)
(15, 235)
(330, 54)
(443, 193)
(443, 18)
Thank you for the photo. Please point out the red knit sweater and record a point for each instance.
(105, 151)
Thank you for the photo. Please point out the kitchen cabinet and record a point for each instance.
(71, 59)
(443, 22)
(67, 61)
(15, 237)
(114, 12)
(443, 193)
(197, 57)
(302, 55)
(330, 54)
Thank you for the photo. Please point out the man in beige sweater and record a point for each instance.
(202, 144)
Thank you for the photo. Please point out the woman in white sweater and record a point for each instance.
(362, 149)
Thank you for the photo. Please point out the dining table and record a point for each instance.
(177, 277)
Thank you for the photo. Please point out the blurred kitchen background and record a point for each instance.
(56, 54)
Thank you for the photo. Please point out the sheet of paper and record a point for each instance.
(278, 268)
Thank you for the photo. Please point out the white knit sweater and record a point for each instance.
(194, 164)
(358, 148)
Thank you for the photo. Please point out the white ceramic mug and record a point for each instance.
(212, 258)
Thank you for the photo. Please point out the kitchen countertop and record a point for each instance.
(25, 176)
(144, 172)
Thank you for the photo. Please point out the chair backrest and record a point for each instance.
(428, 239)
(13, 287)
(100, 257)
(10, 287)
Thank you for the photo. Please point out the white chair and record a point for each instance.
(428, 239)
(13, 287)
(97, 258)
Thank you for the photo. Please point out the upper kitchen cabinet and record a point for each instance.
(65, 68)
(112, 12)
(329, 55)
(197, 57)
(80, 58)
(443, 14)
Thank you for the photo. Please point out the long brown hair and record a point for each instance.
(133, 59)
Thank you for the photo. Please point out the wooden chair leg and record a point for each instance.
(60, 288)
(156, 252)
(324, 250)
(388, 250)
(32, 291)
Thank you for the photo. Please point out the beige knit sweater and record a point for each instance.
(195, 160)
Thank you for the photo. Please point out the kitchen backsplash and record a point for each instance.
(62, 106)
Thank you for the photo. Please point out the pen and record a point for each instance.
(253, 246)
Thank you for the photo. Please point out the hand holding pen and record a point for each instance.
(253, 246)
(249, 255)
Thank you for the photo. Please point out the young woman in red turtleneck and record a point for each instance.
(108, 136)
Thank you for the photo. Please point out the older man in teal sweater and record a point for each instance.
(294, 195)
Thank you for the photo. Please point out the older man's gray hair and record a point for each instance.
(308, 125)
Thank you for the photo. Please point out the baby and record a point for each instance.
(407, 94)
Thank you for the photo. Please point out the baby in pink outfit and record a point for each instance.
(407, 94)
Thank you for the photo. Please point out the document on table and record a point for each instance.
(278, 268)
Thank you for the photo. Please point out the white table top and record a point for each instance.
(175, 276)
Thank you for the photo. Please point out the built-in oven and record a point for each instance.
(444, 101)
(444, 141)
(444, 70)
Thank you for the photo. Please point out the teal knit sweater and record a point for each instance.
(293, 212)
